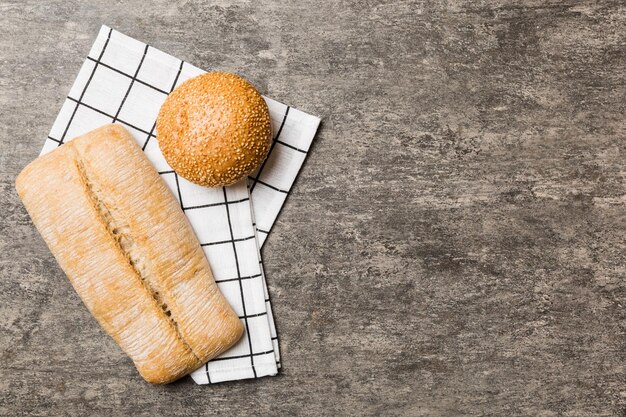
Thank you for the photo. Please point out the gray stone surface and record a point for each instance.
(454, 244)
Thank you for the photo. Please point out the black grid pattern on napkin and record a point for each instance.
(243, 302)
(254, 179)
(106, 43)
(205, 239)
(271, 183)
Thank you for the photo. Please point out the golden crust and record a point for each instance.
(214, 129)
(130, 253)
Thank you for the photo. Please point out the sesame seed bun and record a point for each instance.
(214, 129)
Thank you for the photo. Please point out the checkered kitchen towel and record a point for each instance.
(126, 81)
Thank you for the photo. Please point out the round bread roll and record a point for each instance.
(214, 129)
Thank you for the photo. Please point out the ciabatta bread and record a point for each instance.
(130, 253)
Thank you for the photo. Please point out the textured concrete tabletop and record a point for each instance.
(453, 246)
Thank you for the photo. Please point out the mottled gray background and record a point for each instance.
(454, 244)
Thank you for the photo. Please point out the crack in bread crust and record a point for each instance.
(120, 233)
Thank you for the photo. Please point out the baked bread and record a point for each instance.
(214, 129)
(130, 253)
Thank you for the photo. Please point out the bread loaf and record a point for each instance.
(130, 253)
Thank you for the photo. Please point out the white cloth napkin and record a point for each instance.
(125, 81)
